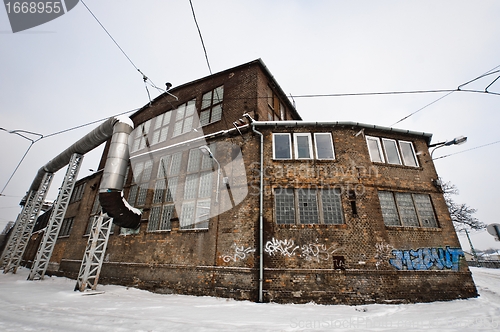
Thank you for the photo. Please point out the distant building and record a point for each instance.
(351, 213)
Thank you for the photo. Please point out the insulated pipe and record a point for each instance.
(113, 179)
(110, 191)
(87, 143)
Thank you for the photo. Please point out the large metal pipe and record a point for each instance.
(110, 192)
(87, 143)
(113, 179)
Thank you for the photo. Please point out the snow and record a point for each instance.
(52, 305)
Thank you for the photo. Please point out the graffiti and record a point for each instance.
(240, 253)
(383, 252)
(317, 252)
(425, 258)
(283, 247)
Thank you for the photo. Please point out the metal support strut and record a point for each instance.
(48, 242)
(94, 253)
(24, 225)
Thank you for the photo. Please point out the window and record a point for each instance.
(196, 203)
(285, 208)
(162, 209)
(375, 149)
(160, 130)
(323, 145)
(140, 136)
(211, 106)
(393, 152)
(282, 146)
(303, 147)
(308, 206)
(406, 209)
(408, 153)
(66, 226)
(184, 118)
(77, 193)
(140, 183)
(314, 206)
(270, 98)
(282, 112)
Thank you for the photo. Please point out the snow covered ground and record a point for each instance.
(52, 305)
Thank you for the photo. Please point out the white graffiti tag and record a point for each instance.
(317, 252)
(383, 252)
(240, 253)
(283, 247)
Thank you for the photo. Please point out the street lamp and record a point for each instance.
(206, 151)
(456, 141)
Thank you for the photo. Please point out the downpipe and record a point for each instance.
(261, 208)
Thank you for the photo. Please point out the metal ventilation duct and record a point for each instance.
(110, 191)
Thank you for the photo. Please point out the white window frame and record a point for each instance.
(397, 151)
(316, 145)
(379, 146)
(185, 123)
(289, 145)
(296, 145)
(412, 148)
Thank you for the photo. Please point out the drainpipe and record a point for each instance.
(261, 208)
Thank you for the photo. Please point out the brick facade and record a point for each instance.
(357, 259)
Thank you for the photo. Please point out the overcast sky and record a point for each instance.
(68, 72)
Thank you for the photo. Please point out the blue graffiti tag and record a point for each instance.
(425, 258)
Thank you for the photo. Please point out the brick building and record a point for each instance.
(267, 207)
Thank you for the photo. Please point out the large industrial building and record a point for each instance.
(229, 193)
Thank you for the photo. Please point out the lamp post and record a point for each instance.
(206, 151)
(456, 141)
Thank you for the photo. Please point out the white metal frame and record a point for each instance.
(94, 253)
(19, 240)
(42, 259)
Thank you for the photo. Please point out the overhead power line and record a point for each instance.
(45, 136)
(475, 148)
(144, 77)
(201, 37)
(459, 88)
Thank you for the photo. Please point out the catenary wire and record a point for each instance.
(201, 37)
(489, 72)
(474, 148)
(50, 135)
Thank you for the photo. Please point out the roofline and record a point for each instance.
(254, 62)
(427, 136)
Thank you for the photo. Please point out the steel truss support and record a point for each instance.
(19, 240)
(48, 242)
(94, 253)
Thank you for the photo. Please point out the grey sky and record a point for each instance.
(68, 72)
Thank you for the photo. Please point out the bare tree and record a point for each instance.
(461, 214)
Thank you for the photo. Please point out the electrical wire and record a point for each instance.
(116, 43)
(489, 72)
(46, 136)
(477, 147)
(145, 78)
(201, 37)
